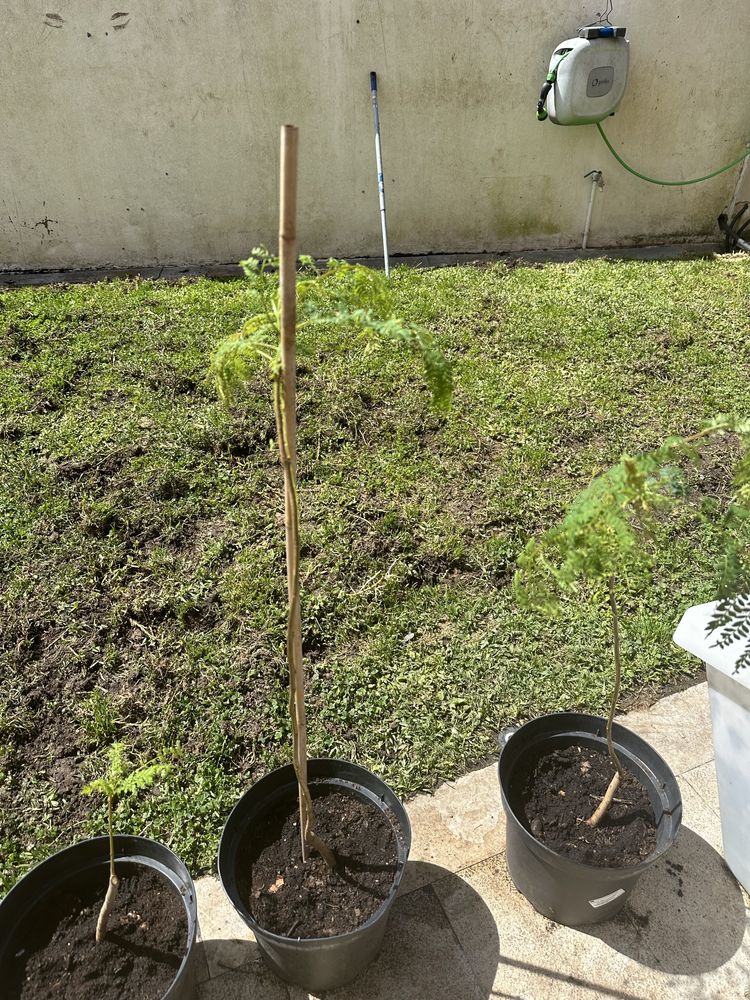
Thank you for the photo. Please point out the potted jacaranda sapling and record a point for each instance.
(312, 855)
(591, 805)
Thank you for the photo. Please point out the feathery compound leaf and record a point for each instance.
(731, 619)
(144, 777)
(418, 341)
(241, 355)
(353, 287)
(109, 782)
(732, 616)
(123, 779)
(120, 779)
(741, 480)
(607, 526)
(613, 521)
(345, 295)
(260, 261)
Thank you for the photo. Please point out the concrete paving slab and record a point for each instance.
(461, 823)
(662, 944)
(687, 917)
(728, 983)
(527, 956)
(699, 817)
(703, 780)
(421, 959)
(201, 970)
(678, 727)
(253, 982)
(420, 949)
(227, 942)
(461, 930)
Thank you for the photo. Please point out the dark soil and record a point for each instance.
(145, 943)
(563, 788)
(675, 870)
(647, 694)
(309, 900)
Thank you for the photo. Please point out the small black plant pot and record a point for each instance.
(84, 862)
(564, 890)
(323, 963)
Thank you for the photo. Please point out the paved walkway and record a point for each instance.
(461, 931)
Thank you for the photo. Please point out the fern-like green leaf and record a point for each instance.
(612, 523)
(606, 529)
(731, 619)
(121, 778)
(143, 777)
(345, 295)
(239, 357)
(418, 341)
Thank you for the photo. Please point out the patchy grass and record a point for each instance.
(141, 535)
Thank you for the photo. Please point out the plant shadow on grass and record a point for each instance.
(686, 916)
(421, 957)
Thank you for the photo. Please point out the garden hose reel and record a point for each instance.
(586, 78)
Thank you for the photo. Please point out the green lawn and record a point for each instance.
(141, 537)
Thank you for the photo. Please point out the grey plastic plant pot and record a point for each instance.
(315, 964)
(83, 861)
(564, 890)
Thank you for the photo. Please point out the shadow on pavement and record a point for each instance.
(421, 957)
(686, 916)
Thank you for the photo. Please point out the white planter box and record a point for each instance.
(729, 694)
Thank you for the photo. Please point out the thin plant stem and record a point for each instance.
(110, 826)
(614, 784)
(114, 882)
(294, 638)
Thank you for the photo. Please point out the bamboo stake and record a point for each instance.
(285, 405)
(614, 784)
(288, 282)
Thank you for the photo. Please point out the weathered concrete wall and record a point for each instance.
(148, 133)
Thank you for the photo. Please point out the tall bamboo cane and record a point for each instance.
(285, 405)
(619, 774)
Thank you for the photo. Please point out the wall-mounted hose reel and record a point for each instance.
(585, 84)
(586, 78)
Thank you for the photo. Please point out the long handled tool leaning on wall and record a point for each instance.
(379, 162)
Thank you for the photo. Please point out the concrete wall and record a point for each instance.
(148, 133)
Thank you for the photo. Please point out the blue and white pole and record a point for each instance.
(379, 162)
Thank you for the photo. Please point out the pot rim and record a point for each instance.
(604, 871)
(133, 843)
(100, 839)
(404, 837)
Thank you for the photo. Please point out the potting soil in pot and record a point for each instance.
(296, 899)
(138, 959)
(563, 788)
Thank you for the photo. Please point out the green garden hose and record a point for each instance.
(551, 79)
(652, 180)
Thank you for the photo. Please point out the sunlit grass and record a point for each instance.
(142, 544)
